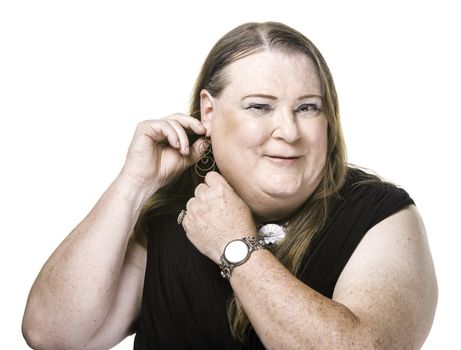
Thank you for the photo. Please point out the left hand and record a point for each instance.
(216, 216)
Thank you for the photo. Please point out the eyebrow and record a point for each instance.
(270, 97)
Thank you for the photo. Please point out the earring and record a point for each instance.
(206, 163)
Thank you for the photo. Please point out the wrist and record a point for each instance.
(133, 189)
(236, 253)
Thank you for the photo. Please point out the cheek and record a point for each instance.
(231, 130)
(315, 135)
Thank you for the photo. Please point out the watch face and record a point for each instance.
(236, 251)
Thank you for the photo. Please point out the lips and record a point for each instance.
(286, 157)
(283, 159)
(282, 156)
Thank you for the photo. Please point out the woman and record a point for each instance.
(314, 254)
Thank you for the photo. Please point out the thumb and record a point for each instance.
(198, 150)
(202, 156)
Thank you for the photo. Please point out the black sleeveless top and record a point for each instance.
(184, 298)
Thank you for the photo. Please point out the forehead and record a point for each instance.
(273, 72)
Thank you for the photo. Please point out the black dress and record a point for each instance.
(184, 298)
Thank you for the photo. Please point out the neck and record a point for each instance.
(263, 220)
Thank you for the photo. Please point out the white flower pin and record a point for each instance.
(271, 234)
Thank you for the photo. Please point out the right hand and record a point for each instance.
(160, 150)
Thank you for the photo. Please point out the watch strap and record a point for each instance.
(253, 244)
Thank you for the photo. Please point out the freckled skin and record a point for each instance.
(384, 298)
(386, 295)
(242, 138)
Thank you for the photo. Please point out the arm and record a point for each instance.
(88, 293)
(76, 288)
(385, 297)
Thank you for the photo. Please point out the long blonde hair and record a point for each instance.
(240, 42)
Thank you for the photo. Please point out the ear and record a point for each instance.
(207, 110)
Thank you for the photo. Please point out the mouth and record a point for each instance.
(282, 157)
(282, 160)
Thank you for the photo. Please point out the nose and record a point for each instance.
(285, 126)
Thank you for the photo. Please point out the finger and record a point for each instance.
(161, 130)
(189, 210)
(213, 178)
(185, 218)
(182, 214)
(197, 150)
(189, 123)
(190, 204)
(183, 223)
(183, 139)
(200, 190)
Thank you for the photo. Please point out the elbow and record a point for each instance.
(34, 337)
(39, 338)
(39, 335)
(35, 328)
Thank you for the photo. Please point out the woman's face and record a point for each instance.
(268, 131)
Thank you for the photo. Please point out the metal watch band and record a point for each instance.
(253, 244)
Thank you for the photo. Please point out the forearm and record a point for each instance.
(287, 314)
(74, 290)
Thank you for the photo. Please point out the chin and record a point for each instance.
(282, 190)
(294, 188)
(280, 193)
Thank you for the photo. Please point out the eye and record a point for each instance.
(310, 109)
(259, 108)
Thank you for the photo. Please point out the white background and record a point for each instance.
(77, 76)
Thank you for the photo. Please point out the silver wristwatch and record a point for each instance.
(236, 253)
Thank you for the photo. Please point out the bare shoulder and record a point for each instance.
(389, 282)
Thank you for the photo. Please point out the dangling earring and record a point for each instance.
(206, 163)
